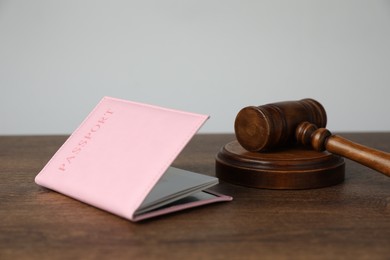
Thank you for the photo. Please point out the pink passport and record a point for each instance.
(119, 160)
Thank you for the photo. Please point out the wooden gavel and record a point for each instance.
(263, 128)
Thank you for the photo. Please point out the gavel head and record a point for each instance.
(273, 125)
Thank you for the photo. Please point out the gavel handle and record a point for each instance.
(321, 139)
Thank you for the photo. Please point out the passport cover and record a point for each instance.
(119, 160)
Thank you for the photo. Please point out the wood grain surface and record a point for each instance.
(347, 221)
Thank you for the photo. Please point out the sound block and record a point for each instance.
(286, 168)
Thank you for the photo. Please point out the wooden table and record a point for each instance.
(350, 220)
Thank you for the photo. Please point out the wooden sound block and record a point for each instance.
(287, 168)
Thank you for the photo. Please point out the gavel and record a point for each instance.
(267, 127)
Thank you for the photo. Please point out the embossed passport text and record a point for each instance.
(119, 160)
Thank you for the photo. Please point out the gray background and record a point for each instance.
(59, 58)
